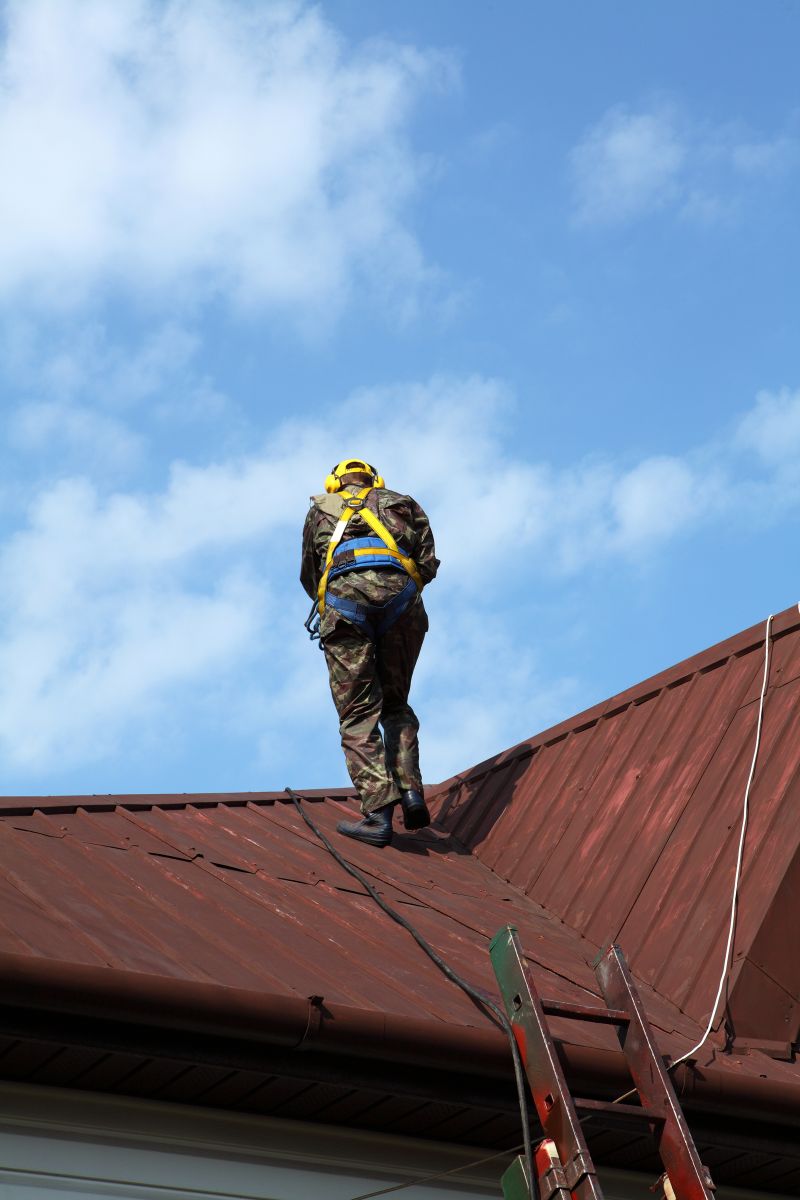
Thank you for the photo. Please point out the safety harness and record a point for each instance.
(358, 554)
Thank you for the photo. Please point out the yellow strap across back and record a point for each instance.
(377, 526)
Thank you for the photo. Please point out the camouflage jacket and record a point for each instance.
(401, 515)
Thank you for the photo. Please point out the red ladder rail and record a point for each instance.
(689, 1178)
(551, 1095)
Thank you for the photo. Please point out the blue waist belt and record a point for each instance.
(374, 619)
(345, 558)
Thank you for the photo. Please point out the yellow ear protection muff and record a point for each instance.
(333, 482)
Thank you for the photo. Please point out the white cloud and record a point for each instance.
(481, 686)
(97, 664)
(765, 157)
(106, 611)
(569, 517)
(633, 163)
(198, 148)
(627, 164)
(772, 427)
(116, 606)
(101, 441)
(88, 400)
(660, 497)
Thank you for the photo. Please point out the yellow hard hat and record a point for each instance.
(333, 483)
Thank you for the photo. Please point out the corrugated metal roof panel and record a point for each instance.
(624, 822)
(245, 896)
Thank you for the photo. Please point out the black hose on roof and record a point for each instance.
(471, 991)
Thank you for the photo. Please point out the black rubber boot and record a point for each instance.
(375, 829)
(415, 810)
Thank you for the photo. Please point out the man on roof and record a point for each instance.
(367, 554)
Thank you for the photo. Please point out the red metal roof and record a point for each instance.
(240, 893)
(620, 823)
(624, 821)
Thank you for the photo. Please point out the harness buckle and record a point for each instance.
(356, 503)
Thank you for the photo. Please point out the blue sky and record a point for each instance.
(538, 262)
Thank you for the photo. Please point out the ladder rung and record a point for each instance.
(628, 1111)
(585, 1012)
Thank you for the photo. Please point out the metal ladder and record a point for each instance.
(562, 1161)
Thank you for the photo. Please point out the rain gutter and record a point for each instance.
(313, 1026)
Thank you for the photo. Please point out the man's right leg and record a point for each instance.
(358, 697)
(398, 651)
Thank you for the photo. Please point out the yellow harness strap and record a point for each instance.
(380, 529)
(377, 527)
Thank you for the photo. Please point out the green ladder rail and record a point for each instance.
(563, 1164)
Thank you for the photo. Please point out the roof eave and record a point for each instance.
(321, 1032)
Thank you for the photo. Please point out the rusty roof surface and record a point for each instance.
(620, 823)
(624, 821)
(240, 893)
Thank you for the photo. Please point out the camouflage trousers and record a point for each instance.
(370, 682)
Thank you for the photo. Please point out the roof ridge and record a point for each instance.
(24, 805)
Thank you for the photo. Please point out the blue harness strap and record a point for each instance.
(375, 619)
(357, 554)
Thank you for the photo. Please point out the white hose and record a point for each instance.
(737, 877)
